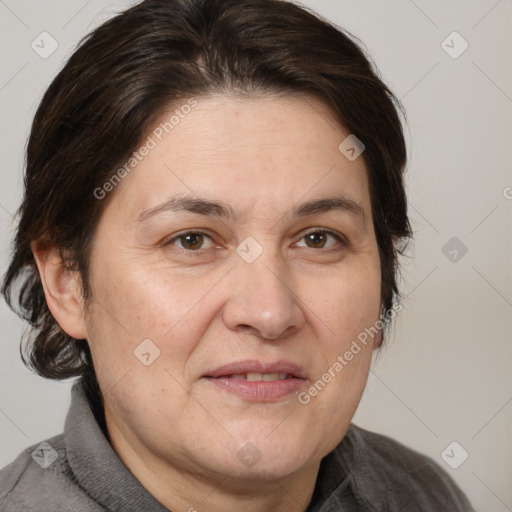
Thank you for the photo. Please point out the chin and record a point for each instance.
(268, 468)
(273, 456)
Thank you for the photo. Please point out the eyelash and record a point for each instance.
(338, 236)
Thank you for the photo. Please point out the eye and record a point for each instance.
(195, 241)
(318, 239)
(191, 241)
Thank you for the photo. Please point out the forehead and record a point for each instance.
(253, 153)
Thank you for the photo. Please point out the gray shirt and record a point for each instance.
(79, 471)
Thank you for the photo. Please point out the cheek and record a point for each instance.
(131, 300)
(348, 302)
(348, 309)
(133, 303)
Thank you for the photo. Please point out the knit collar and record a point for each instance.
(96, 466)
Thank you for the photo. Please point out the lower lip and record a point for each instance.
(258, 391)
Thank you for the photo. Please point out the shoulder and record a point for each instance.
(385, 467)
(40, 479)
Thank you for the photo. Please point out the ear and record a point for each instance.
(62, 289)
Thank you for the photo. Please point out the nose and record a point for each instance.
(262, 300)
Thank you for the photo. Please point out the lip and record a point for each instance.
(256, 366)
(258, 391)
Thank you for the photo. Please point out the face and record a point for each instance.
(214, 268)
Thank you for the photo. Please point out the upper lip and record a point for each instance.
(255, 366)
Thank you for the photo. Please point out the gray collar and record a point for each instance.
(96, 466)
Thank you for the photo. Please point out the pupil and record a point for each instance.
(193, 240)
(317, 238)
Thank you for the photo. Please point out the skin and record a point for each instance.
(299, 300)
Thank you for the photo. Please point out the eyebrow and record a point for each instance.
(224, 210)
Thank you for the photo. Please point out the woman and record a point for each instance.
(208, 239)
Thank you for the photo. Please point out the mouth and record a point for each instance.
(256, 377)
(255, 370)
(258, 381)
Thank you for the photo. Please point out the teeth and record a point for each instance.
(262, 376)
(252, 377)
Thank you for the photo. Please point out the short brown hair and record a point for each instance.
(120, 79)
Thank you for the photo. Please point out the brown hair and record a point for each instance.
(127, 72)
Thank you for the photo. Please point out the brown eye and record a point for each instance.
(318, 239)
(190, 241)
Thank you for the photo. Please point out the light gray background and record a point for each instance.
(446, 374)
